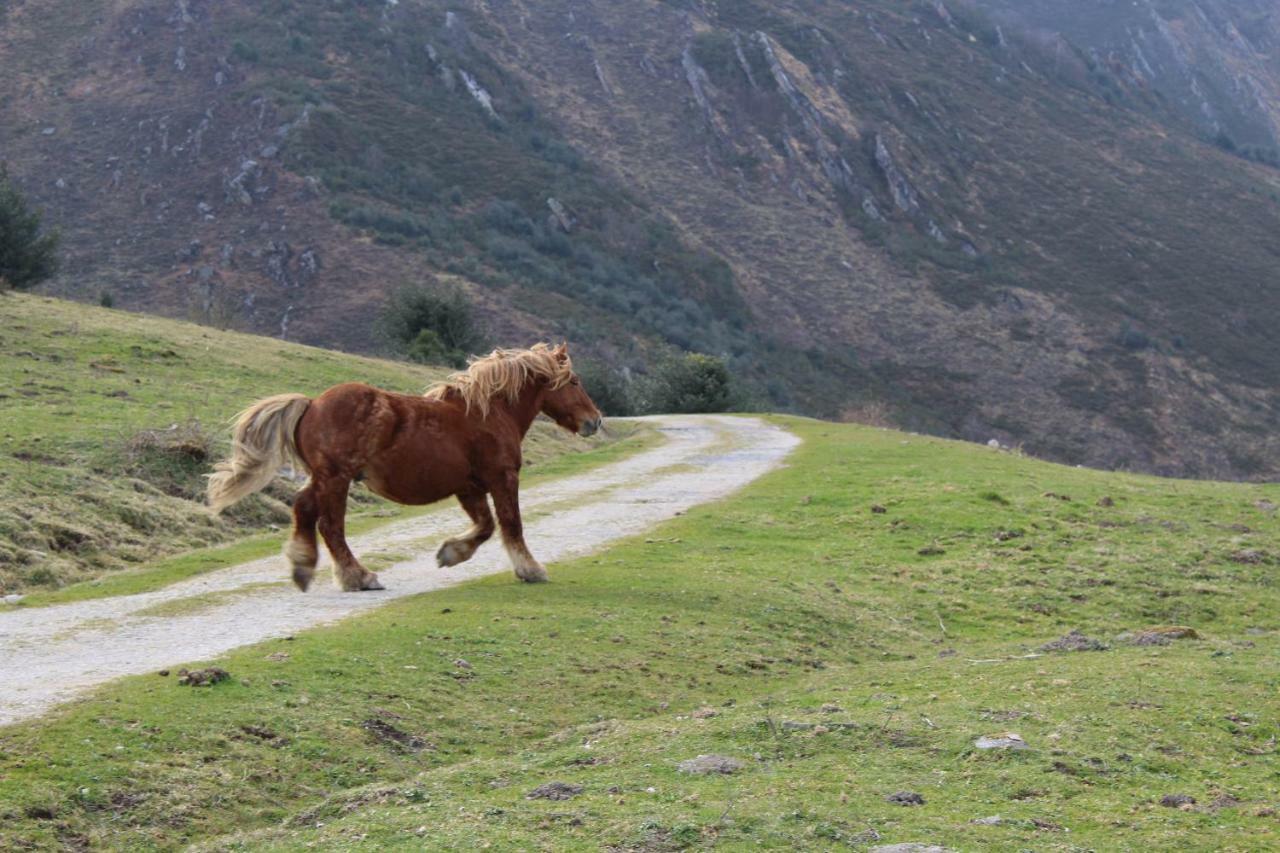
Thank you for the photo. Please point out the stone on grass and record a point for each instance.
(994, 820)
(1003, 740)
(905, 798)
(554, 791)
(202, 677)
(910, 847)
(1075, 641)
(1163, 635)
(1177, 801)
(706, 764)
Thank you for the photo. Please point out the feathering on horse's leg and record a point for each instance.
(301, 550)
(506, 501)
(459, 549)
(348, 573)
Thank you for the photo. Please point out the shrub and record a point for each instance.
(27, 257)
(435, 325)
(688, 384)
(610, 390)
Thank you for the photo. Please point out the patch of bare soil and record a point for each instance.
(385, 733)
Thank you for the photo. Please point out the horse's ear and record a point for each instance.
(561, 353)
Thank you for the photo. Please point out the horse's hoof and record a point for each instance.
(371, 583)
(536, 574)
(302, 577)
(451, 554)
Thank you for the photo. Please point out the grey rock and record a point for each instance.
(481, 95)
(994, 820)
(910, 847)
(1004, 740)
(697, 77)
(706, 764)
(561, 214)
(13, 598)
(1075, 642)
(554, 791)
(905, 798)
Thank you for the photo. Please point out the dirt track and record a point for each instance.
(51, 654)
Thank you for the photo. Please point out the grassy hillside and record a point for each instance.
(845, 629)
(112, 419)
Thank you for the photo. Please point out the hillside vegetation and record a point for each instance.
(946, 216)
(844, 630)
(111, 420)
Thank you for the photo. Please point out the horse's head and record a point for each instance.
(569, 405)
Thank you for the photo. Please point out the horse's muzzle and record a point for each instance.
(590, 428)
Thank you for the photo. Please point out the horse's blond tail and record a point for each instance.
(262, 442)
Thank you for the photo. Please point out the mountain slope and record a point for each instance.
(1213, 61)
(899, 211)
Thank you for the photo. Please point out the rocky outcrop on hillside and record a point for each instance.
(1215, 62)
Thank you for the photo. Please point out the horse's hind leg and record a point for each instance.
(331, 496)
(506, 502)
(460, 548)
(301, 549)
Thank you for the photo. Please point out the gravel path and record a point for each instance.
(51, 654)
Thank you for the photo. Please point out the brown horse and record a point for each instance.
(461, 438)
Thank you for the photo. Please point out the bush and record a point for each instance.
(610, 390)
(27, 257)
(432, 325)
(689, 384)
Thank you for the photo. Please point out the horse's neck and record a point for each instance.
(526, 406)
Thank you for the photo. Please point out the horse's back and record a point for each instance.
(406, 448)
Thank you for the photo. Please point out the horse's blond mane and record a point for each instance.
(502, 373)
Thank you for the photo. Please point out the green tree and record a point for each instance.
(27, 256)
(689, 384)
(432, 325)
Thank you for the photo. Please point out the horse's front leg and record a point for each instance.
(506, 502)
(460, 548)
(331, 495)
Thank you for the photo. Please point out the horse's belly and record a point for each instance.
(413, 485)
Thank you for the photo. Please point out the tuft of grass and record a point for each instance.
(789, 628)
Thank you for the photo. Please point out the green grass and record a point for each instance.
(837, 662)
(111, 421)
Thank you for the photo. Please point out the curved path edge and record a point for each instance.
(49, 655)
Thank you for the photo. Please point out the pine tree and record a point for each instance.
(27, 256)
